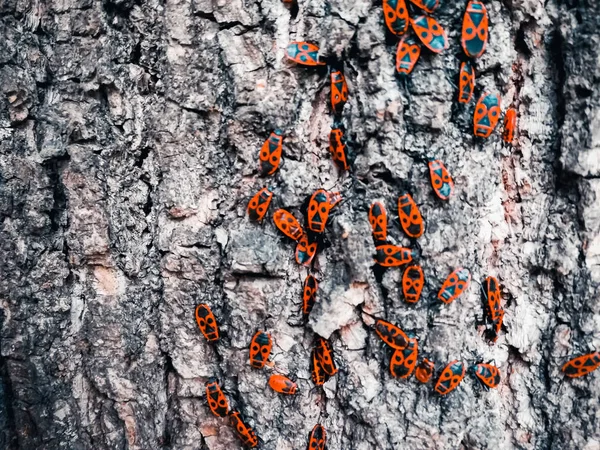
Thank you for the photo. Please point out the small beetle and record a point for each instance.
(207, 322)
(260, 349)
(581, 365)
(282, 384)
(450, 377)
(217, 402)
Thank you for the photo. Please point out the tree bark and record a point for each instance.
(129, 137)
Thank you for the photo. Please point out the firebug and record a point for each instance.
(410, 216)
(244, 432)
(475, 29)
(317, 439)
(403, 361)
(309, 294)
(487, 374)
(282, 384)
(424, 371)
(305, 250)
(304, 53)
(441, 181)
(270, 153)
(324, 354)
(339, 91)
(207, 322)
(319, 207)
(392, 255)
(510, 125)
(450, 378)
(407, 55)
(288, 224)
(430, 32)
(581, 365)
(337, 147)
(455, 285)
(466, 82)
(217, 402)
(413, 281)
(396, 17)
(318, 375)
(391, 334)
(258, 205)
(378, 220)
(492, 297)
(260, 349)
(487, 113)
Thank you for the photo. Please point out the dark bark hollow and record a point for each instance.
(129, 138)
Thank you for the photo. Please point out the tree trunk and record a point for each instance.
(129, 146)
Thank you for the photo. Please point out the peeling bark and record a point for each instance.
(129, 135)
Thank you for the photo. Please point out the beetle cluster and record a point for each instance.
(428, 31)
(217, 402)
(404, 360)
(487, 111)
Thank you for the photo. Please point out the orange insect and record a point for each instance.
(324, 354)
(337, 146)
(466, 82)
(244, 432)
(403, 362)
(475, 29)
(450, 378)
(581, 365)
(391, 334)
(207, 322)
(487, 374)
(487, 113)
(407, 55)
(304, 53)
(410, 216)
(309, 295)
(441, 181)
(392, 255)
(282, 384)
(317, 373)
(510, 125)
(288, 224)
(260, 349)
(339, 91)
(378, 220)
(259, 204)
(424, 371)
(430, 32)
(494, 333)
(317, 439)
(319, 207)
(270, 153)
(305, 251)
(217, 402)
(455, 285)
(412, 283)
(396, 17)
(492, 297)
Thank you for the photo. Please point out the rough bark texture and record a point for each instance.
(129, 139)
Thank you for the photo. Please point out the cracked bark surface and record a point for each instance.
(129, 135)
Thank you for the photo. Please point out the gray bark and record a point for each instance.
(129, 137)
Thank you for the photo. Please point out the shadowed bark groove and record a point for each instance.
(129, 138)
